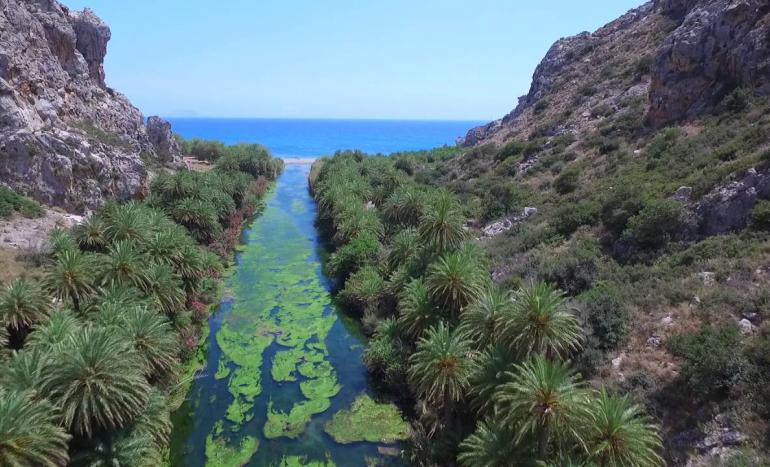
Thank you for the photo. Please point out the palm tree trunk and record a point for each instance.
(76, 304)
(542, 443)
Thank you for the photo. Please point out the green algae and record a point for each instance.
(302, 461)
(368, 420)
(292, 424)
(223, 371)
(276, 298)
(219, 454)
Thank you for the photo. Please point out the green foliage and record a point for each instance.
(454, 280)
(22, 306)
(607, 316)
(570, 216)
(619, 433)
(567, 181)
(712, 365)
(440, 369)
(539, 323)
(490, 446)
(545, 400)
(97, 381)
(204, 150)
(416, 310)
(11, 202)
(441, 227)
(760, 215)
(657, 223)
(31, 433)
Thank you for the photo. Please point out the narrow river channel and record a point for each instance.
(281, 360)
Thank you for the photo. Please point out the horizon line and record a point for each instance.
(374, 119)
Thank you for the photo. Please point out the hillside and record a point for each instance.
(635, 177)
(645, 149)
(66, 138)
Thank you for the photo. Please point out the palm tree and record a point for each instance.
(404, 247)
(164, 289)
(120, 296)
(406, 205)
(491, 445)
(119, 450)
(493, 370)
(71, 278)
(97, 381)
(455, 280)
(440, 369)
(153, 338)
(126, 222)
(416, 312)
(60, 240)
(539, 324)
(123, 265)
(22, 306)
(91, 235)
(25, 371)
(442, 224)
(545, 399)
(621, 435)
(30, 433)
(60, 326)
(155, 420)
(481, 320)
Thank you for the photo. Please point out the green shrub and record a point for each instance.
(735, 102)
(622, 203)
(351, 256)
(606, 314)
(656, 223)
(204, 149)
(11, 202)
(760, 215)
(567, 181)
(713, 363)
(573, 270)
(570, 216)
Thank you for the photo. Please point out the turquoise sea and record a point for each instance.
(311, 137)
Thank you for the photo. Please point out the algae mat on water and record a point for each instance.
(280, 361)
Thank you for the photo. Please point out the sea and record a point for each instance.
(305, 138)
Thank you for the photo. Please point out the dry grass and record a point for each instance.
(11, 266)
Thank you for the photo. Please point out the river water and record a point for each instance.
(281, 359)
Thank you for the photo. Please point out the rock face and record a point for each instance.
(728, 207)
(163, 140)
(690, 54)
(720, 45)
(66, 139)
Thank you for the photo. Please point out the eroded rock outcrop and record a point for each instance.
(66, 139)
(687, 55)
(720, 45)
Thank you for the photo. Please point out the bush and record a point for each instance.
(405, 165)
(713, 363)
(607, 316)
(760, 215)
(11, 202)
(567, 181)
(204, 149)
(623, 202)
(350, 257)
(570, 216)
(656, 223)
(573, 270)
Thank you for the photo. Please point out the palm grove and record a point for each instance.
(97, 353)
(489, 369)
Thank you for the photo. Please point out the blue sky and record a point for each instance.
(416, 59)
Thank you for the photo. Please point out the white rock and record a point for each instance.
(745, 326)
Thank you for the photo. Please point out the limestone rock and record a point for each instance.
(719, 45)
(728, 207)
(66, 139)
(162, 138)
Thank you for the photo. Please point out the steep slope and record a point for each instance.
(66, 139)
(635, 176)
(680, 57)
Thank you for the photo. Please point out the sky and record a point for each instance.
(391, 59)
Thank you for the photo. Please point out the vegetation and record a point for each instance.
(488, 367)
(11, 202)
(95, 351)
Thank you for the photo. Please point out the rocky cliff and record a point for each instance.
(689, 54)
(66, 138)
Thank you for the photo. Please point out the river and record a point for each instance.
(282, 361)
